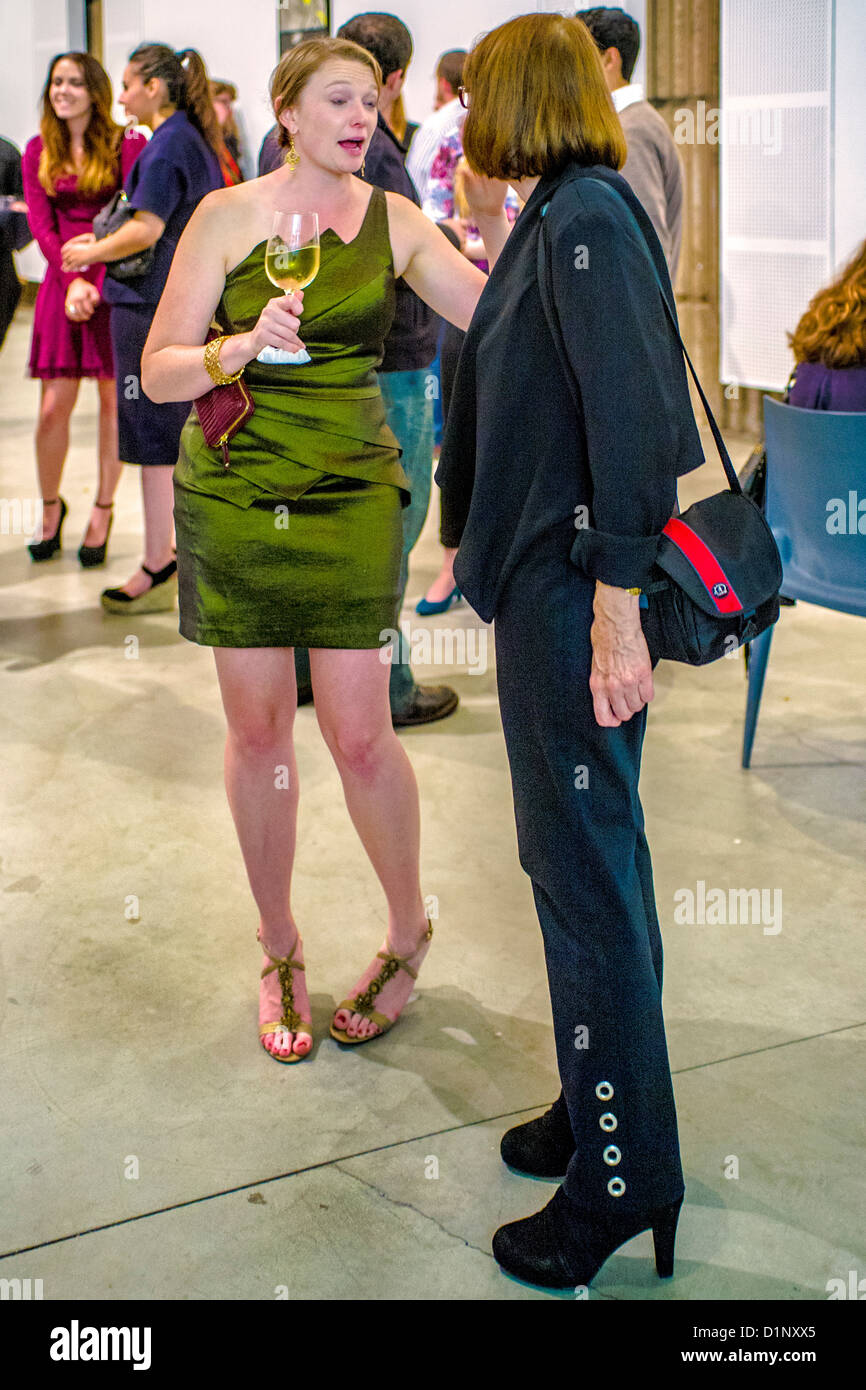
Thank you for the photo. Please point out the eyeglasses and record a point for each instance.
(463, 98)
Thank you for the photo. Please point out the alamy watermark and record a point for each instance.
(757, 125)
(437, 646)
(20, 516)
(716, 907)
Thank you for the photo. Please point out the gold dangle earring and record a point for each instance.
(363, 165)
(292, 158)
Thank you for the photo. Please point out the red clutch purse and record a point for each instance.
(222, 411)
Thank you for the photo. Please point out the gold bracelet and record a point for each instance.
(634, 591)
(212, 362)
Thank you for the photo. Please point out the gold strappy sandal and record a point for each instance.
(291, 1021)
(363, 1003)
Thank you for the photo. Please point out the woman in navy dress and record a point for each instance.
(169, 92)
(562, 512)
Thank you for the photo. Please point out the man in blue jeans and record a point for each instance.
(404, 376)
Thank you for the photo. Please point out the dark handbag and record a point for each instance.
(223, 410)
(110, 219)
(717, 573)
(753, 474)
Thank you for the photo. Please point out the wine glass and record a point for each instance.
(291, 263)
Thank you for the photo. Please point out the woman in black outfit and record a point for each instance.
(561, 515)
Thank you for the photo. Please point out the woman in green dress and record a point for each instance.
(299, 540)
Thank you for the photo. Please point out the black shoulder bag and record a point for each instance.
(110, 219)
(717, 573)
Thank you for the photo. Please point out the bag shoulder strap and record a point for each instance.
(547, 301)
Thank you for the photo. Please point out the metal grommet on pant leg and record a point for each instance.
(604, 1090)
(612, 1155)
(608, 1122)
(616, 1187)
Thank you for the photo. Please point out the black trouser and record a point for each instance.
(581, 840)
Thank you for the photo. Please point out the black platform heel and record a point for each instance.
(43, 550)
(159, 598)
(561, 1247)
(90, 555)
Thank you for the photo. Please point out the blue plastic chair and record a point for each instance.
(816, 479)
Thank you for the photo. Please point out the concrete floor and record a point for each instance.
(149, 1147)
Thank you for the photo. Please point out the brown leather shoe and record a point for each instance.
(428, 702)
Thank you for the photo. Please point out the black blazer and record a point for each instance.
(411, 344)
(518, 457)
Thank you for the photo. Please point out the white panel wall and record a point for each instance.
(849, 129)
(793, 198)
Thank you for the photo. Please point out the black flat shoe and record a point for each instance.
(159, 598)
(540, 1148)
(90, 555)
(429, 702)
(43, 550)
(561, 1247)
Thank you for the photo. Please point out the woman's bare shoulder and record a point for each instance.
(227, 217)
(408, 228)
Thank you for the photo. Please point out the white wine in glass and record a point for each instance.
(291, 263)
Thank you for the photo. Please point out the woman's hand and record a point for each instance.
(485, 197)
(278, 324)
(621, 679)
(82, 299)
(75, 254)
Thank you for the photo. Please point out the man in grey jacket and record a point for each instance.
(653, 166)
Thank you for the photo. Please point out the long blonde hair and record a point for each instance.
(102, 134)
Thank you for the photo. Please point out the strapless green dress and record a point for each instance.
(299, 541)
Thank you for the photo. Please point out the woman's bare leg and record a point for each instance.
(52, 442)
(110, 467)
(353, 710)
(157, 494)
(444, 583)
(260, 698)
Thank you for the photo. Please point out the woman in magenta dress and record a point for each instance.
(71, 170)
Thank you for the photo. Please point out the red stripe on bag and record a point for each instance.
(703, 560)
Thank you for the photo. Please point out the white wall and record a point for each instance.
(436, 27)
(236, 38)
(31, 35)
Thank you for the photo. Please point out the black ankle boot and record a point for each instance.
(541, 1148)
(561, 1246)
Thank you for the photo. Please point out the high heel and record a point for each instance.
(562, 1246)
(426, 608)
(43, 550)
(151, 601)
(363, 1002)
(664, 1238)
(290, 1020)
(90, 555)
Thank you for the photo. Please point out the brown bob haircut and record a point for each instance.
(296, 67)
(538, 100)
